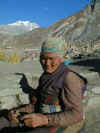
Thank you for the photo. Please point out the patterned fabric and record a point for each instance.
(54, 45)
(51, 105)
(50, 108)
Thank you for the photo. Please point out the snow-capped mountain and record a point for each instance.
(18, 27)
(27, 24)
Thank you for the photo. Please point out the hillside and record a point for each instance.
(31, 39)
(81, 32)
(18, 28)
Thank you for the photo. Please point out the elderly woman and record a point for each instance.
(57, 101)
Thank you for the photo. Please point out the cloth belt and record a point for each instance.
(45, 108)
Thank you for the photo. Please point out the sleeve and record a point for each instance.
(29, 108)
(72, 99)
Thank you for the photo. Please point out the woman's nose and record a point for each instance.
(48, 62)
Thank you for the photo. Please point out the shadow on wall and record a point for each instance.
(25, 86)
(95, 63)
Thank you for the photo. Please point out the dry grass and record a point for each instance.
(13, 57)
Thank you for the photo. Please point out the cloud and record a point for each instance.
(30, 25)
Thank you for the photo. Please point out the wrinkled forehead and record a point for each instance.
(50, 54)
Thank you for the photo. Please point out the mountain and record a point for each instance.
(18, 27)
(84, 25)
(80, 31)
(32, 39)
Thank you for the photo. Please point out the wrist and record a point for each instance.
(46, 120)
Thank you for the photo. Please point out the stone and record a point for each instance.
(7, 102)
(11, 93)
(96, 90)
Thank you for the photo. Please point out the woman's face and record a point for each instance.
(50, 62)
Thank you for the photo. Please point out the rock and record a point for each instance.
(11, 92)
(92, 110)
(96, 90)
(92, 78)
(92, 98)
(93, 120)
(7, 102)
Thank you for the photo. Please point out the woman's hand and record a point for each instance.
(13, 117)
(35, 120)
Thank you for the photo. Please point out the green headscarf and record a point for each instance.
(54, 45)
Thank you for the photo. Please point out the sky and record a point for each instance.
(42, 12)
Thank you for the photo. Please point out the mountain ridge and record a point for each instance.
(80, 31)
(18, 27)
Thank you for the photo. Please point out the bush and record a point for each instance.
(9, 58)
(14, 58)
(2, 56)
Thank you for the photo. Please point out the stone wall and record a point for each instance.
(11, 93)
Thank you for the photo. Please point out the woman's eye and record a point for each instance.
(43, 61)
